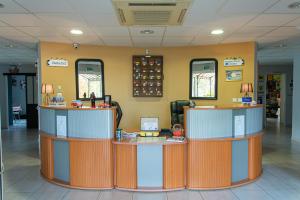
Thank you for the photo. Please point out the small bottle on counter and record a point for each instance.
(93, 100)
(119, 134)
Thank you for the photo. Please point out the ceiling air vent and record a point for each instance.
(151, 12)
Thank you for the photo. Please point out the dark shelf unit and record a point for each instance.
(147, 76)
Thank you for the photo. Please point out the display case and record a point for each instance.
(147, 76)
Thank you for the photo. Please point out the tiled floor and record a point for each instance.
(280, 180)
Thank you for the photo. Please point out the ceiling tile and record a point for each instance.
(60, 39)
(111, 31)
(267, 39)
(295, 22)
(3, 24)
(66, 31)
(185, 39)
(182, 31)
(11, 7)
(101, 19)
(206, 40)
(202, 11)
(284, 32)
(144, 41)
(282, 7)
(246, 6)
(21, 20)
(62, 19)
(92, 6)
(273, 19)
(236, 39)
(46, 6)
(11, 32)
(136, 31)
(229, 23)
(117, 41)
(39, 31)
(177, 41)
(91, 39)
(253, 31)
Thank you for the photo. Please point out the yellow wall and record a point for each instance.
(118, 75)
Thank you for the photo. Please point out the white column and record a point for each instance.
(296, 99)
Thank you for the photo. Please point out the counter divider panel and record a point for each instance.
(239, 160)
(47, 121)
(61, 160)
(209, 123)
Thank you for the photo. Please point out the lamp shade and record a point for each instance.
(246, 87)
(47, 88)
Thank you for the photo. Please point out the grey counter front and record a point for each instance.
(224, 145)
(76, 146)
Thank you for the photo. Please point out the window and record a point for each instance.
(89, 78)
(203, 79)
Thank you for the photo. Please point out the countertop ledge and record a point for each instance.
(71, 108)
(224, 107)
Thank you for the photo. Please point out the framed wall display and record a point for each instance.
(234, 75)
(147, 76)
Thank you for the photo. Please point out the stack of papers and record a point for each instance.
(175, 139)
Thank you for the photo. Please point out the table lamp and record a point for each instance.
(246, 88)
(47, 89)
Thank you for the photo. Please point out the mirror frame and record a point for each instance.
(191, 79)
(76, 78)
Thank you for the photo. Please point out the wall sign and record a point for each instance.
(233, 62)
(57, 63)
(234, 75)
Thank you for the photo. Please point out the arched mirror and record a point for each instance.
(89, 78)
(204, 79)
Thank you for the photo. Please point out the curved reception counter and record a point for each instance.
(150, 164)
(224, 145)
(76, 146)
(223, 148)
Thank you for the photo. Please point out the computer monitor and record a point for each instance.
(149, 123)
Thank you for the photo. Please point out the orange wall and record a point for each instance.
(118, 75)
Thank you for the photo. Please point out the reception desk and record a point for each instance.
(76, 146)
(150, 164)
(224, 145)
(223, 148)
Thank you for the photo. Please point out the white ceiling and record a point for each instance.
(25, 22)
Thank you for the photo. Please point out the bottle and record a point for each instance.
(93, 100)
(119, 133)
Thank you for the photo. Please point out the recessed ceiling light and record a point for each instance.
(76, 32)
(294, 5)
(147, 31)
(1, 5)
(217, 32)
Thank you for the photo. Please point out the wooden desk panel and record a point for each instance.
(46, 147)
(126, 166)
(209, 164)
(174, 167)
(91, 164)
(255, 156)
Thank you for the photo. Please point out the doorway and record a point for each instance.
(273, 96)
(22, 100)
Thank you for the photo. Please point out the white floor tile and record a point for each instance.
(115, 194)
(149, 196)
(184, 195)
(82, 195)
(218, 194)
